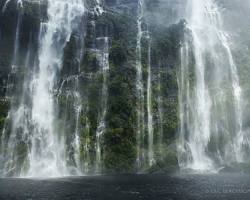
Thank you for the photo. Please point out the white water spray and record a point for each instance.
(47, 150)
(205, 113)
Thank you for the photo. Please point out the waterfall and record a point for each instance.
(15, 113)
(86, 144)
(209, 93)
(140, 88)
(36, 123)
(77, 139)
(5, 5)
(99, 8)
(145, 127)
(19, 20)
(47, 154)
(104, 64)
(160, 115)
(149, 109)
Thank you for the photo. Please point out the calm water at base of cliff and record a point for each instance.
(130, 187)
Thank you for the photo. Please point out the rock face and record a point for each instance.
(31, 17)
(95, 90)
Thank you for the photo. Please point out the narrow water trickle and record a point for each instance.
(99, 7)
(149, 109)
(140, 89)
(145, 126)
(104, 64)
(5, 5)
(14, 113)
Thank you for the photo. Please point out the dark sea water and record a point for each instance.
(130, 187)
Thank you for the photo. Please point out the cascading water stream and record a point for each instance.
(14, 112)
(145, 128)
(77, 139)
(46, 156)
(149, 109)
(99, 8)
(104, 64)
(241, 138)
(160, 116)
(140, 88)
(208, 90)
(5, 5)
(19, 20)
(75, 144)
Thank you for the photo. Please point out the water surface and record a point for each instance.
(130, 187)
